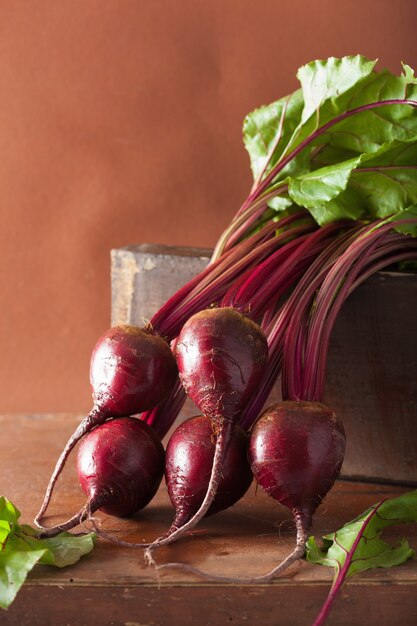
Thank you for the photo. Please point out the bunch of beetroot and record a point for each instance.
(313, 228)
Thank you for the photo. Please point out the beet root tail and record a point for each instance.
(83, 514)
(303, 525)
(95, 418)
(174, 533)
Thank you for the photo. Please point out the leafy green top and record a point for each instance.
(344, 146)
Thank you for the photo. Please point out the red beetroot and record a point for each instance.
(120, 466)
(131, 370)
(222, 357)
(188, 462)
(296, 450)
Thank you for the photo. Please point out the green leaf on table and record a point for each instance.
(62, 550)
(8, 512)
(22, 550)
(4, 531)
(8, 517)
(358, 546)
(14, 567)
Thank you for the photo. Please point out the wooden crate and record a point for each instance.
(372, 369)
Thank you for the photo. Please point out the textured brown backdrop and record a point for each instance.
(121, 123)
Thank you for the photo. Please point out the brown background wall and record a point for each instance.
(121, 123)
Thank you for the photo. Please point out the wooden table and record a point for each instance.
(113, 586)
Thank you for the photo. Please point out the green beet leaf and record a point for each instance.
(370, 186)
(8, 512)
(317, 188)
(22, 550)
(14, 567)
(63, 549)
(358, 545)
(347, 205)
(368, 129)
(401, 224)
(331, 81)
(9, 515)
(385, 190)
(267, 130)
(339, 146)
(331, 115)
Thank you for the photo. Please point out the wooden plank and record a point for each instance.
(372, 369)
(112, 585)
(209, 606)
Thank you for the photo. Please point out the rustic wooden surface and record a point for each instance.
(113, 586)
(372, 370)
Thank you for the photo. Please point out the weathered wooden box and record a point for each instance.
(372, 370)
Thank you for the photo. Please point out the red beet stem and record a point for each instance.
(219, 276)
(353, 266)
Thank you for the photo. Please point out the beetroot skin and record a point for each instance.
(221, 356)
(120, 465)
(188, 463)
(132, 370)
(296, 450)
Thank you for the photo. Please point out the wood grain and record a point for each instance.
(113, 586)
